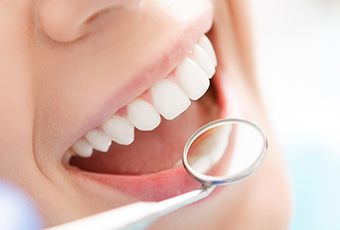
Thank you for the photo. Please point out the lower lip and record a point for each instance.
(155, 186)
(149, 187)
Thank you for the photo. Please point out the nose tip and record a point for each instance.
(69, 20)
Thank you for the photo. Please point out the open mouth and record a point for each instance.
(138, 149)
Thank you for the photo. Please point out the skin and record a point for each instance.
(50, 68)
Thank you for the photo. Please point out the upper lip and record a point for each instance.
(153, 72)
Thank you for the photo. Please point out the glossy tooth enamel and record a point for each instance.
(202, 58)
(119, 129)
(192, 79)
(143, 115)
(98, 139)
(205, 43)
(168, 99)
(82, 148)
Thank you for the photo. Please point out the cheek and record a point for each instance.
(74, 78)
(16, 106)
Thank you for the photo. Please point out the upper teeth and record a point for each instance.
(119, 129)
(169, 98)
(143, 115)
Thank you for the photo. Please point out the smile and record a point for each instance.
(170, 97)
(138, 149)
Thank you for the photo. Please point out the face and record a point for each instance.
(98, 98)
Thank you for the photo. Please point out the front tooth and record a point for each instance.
(82, 148)
(192, 79)
(168, 99)
(98, 139)
(205, 43)
(202, 58)
(119, 129)
(143, 115)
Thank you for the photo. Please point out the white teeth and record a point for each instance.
(143, 115)
(205, 43)
(168, 99)
(82, 148)
(192, 79)
(98, 140)
(119, 129)
(202, 58)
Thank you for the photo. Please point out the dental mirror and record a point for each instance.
(224, 151)
(221, 152)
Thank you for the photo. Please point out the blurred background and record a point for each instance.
(298, 59)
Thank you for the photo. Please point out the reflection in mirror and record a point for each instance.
(226, 149)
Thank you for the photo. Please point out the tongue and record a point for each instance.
(152, 151)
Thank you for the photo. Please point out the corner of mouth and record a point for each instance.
(158, 183)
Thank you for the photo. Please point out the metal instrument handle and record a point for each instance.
(135, 216)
